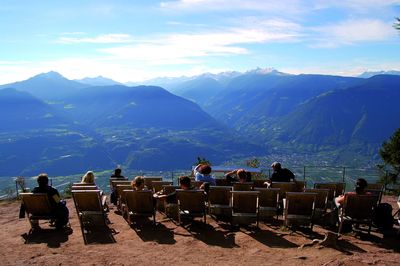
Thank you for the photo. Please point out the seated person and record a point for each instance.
(361, 185)
(138, 184)
(280, 174)
(202, 172)
(185, 183)
(241, 176)
(117, 174)
(88, 178)
(59, 209)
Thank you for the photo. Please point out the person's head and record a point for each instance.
(241, 173)
(184, 181)
(276, 166)
(205, 169)
(88, 178)
(138, 183)
(361, 185)
(117, 171)
(43, 180)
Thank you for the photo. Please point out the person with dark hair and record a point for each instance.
(239, 175)
(138, 183)
(117, 173)
(185, 184)
(202, 172)
(361, 185)
(59, 208)
(280, 174)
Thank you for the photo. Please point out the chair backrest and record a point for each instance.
(87, 200)
(120, 188)
(340, 188)
(359, 206)
(247, 186)
(148, 181)
(300, 185)
(220, 195)
(114, 182)
(330, 186)
(37, 204)
(321, 199)
(168, 189)
(284, 187)
(196, 184)
(83, 184)
(244, 201)
(300, 203)
(93, 187)
(191, 200)
(139, 201)
(221, 182)
(375, 186)
(259, 183)
(268, 197)
(158, 185)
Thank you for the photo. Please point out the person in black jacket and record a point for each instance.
(60, 211)
(280, 174)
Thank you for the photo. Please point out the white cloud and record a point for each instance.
(106, 38)
(353, 31)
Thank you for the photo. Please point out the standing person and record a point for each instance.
(280, 174)
(59, 208)
(202, 172)
(117, 174)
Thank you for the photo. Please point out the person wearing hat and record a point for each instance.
(280, 174)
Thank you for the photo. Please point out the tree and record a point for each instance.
(390, 153)
(397, 24)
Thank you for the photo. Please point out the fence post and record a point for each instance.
(16, 187)
(304, 173)
(344, 174)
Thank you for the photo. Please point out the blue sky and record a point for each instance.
(139, 40)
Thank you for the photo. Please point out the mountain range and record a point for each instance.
(66, 126)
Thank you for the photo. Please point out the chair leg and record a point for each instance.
(340, 227)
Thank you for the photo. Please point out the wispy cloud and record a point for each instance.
(353, 31)
(106, 38)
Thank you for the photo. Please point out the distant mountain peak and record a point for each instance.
(265, 71)
(98, 81)
(368, 74)
(50, 75)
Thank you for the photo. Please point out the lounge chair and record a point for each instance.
(244, 207)
(284, 187)
(299, 208)
(268, 202)
(321, 201)
(191, 203)
(358, 209)
(119, 191)
(90, 209)
(219, 200)
(139, 203)
(81, 187)
(148, 181)
(37, 207)
(170, 208)
(247, 186)
(376, 192)
(115, 181)
(82, 184)
(158, 185)
(335, 190)
(300, 185)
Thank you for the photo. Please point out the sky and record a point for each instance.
(129, 40)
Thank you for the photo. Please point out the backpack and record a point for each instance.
(383, 218)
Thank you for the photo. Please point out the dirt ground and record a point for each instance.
(214, 243)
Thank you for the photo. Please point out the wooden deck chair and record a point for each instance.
(221, 182)
(321, 201)
(268, 202)
(247, 186)
(170, 208)
(148, 181)
(340, 188)
(335, 190)
(244, 207)
(376, 192)
(37, 207)
(119, 191)
(284, 187)
(82, 184)
(299, 208)
(300, 185)
(87, 187)
(139, 203)
(114, 181)
(191, 203)
(158, 185)
(219, 201)
(196, 184)
(358, 209)
(90, 209)
(259, 183)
